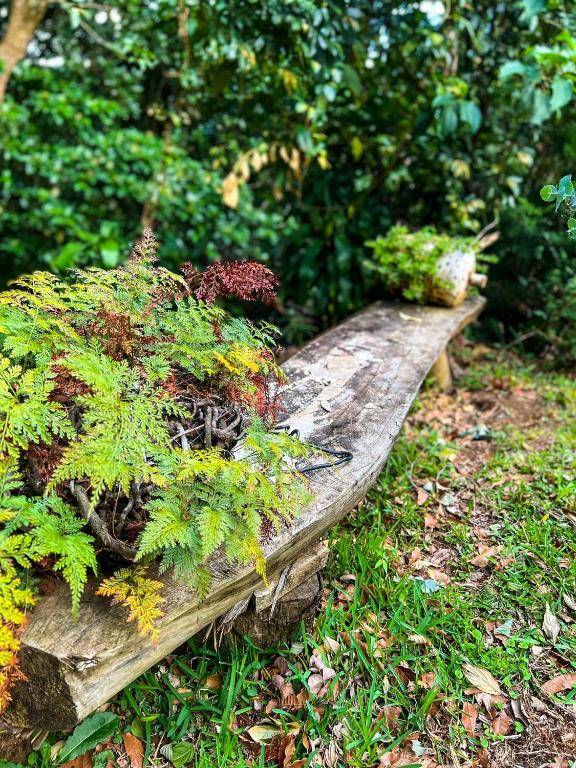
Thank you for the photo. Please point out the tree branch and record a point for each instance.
(25, 17)
(98, 527)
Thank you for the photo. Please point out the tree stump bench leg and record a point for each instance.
(270, 627)
(441, 371)
(292, 596)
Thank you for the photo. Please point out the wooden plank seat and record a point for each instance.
(350, 389)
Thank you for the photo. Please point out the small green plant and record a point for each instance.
(560, 307)
(406, 262)
(564, 198)
(123, 394)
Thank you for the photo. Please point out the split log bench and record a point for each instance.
(350, 389)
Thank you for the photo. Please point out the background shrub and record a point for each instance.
(532, 291)
(289, 133)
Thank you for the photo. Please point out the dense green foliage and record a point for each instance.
(122, 396)
(290, 133)
(532, 290)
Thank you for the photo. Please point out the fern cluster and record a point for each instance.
(123, 396)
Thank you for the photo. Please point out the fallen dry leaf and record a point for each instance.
(418, 639)
(469, 717)
(386, 760)
(405, 674)
(83, 761)
(397, 757)
(271, 706)
(264, 732)
(560, 761)
(415, 556)
(331, 645)
(485, 552)
(439, 576)
(134, 749)
(482, 758)
(501, 565)
(286, 752)
(281, 665)
(427, 680)
(391, 716)
(430, 521)
(501, 724)
(482, 679)
(315, 683)
(214, 682)
(489, 701)
(286, 691)
(550, 625)
(569, 601)
(559, 683)
(422, 497)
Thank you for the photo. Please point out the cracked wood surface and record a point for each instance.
(351, 389)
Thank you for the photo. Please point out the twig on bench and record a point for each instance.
(208, 427)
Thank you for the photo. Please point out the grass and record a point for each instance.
(440, 567)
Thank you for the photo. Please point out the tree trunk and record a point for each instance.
(25, 16)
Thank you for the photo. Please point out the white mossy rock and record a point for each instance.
(455, 273)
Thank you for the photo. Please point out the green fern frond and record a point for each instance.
(26, 413)
(60, 533)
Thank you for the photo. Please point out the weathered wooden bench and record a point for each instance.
(350, 389)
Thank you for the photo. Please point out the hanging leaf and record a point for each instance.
(94, 730)
(561, 93)
(231, 192)
(471, 115)
(448, 120)
(548, 193)
(511, 68)
(541, 108)
(351, 79)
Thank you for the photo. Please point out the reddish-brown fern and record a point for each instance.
(245, 280)
(66, 387)
(145, 249)
(45, 458)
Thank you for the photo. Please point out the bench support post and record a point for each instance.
(441, 371)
